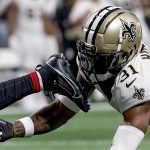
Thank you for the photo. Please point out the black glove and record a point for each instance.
(58, 78)
(6, 130)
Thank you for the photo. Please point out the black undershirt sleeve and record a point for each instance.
(14, 90)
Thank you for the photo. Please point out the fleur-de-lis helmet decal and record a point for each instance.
(128, 31)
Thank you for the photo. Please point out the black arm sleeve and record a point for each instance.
(15, 89)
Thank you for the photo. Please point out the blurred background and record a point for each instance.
(31, 31)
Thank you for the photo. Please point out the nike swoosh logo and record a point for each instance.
(129, 84)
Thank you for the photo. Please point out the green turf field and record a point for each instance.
(87, 131)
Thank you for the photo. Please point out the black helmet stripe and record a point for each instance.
(100, 23)
(97, 22)
(90, 25)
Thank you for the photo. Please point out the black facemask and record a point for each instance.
(97, 63)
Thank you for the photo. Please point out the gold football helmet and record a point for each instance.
(109, 39)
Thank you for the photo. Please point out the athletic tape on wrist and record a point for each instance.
(69, 103)
(28, 126)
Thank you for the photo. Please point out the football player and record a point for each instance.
(113, 59)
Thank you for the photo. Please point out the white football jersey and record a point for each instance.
(131, 86)
(30, 12)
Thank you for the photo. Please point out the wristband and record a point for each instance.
(28, 126)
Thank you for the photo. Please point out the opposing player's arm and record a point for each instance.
(55, 76)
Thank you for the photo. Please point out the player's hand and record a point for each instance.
(6, 130)
(61, 80)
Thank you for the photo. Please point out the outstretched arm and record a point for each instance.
(54, 75)
(15, 89)
(45, 120)
(52, 116)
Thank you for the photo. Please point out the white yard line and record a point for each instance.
(54, 143)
